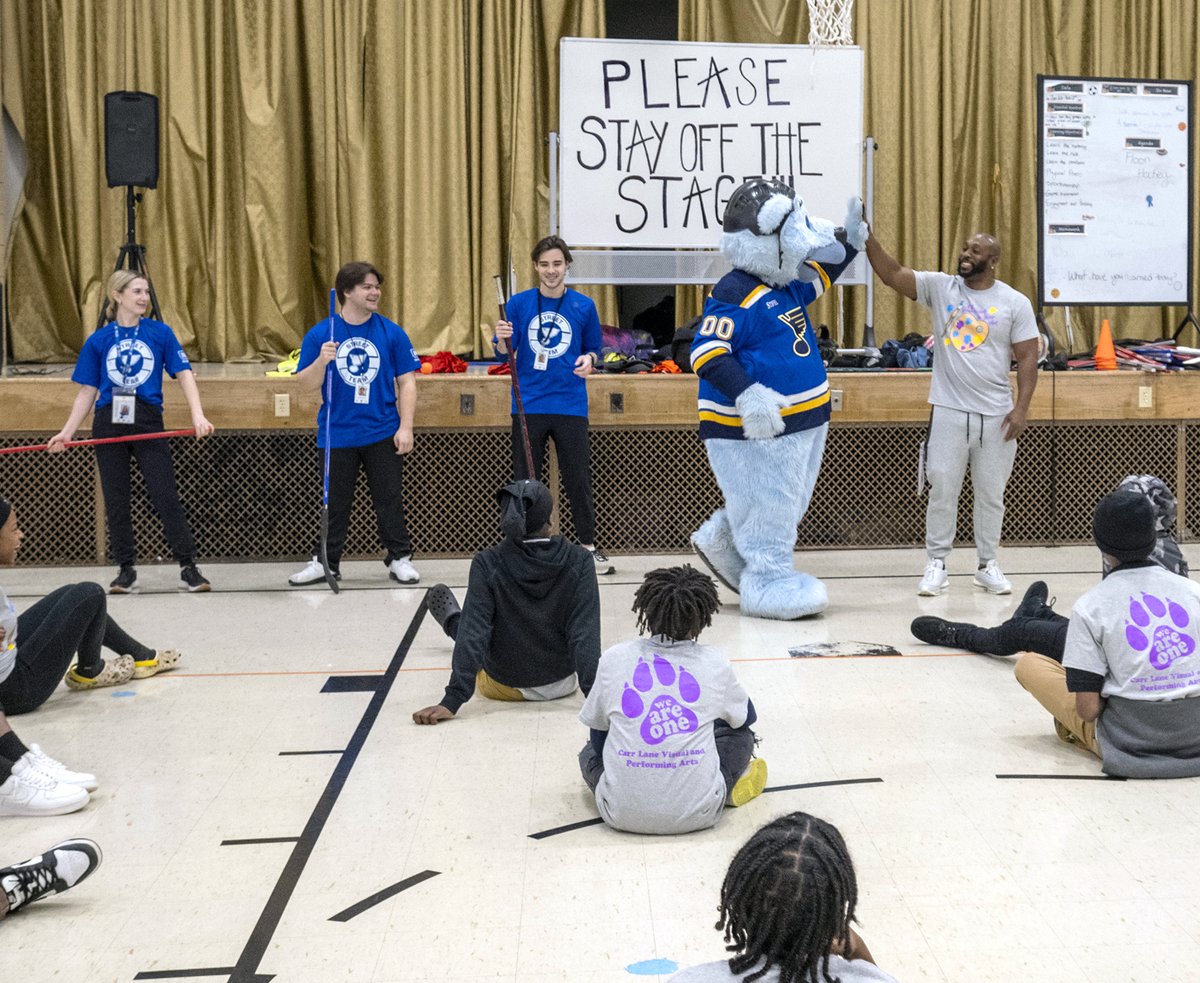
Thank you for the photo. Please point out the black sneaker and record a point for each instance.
(125, 581)
(192, 580)
(1033, 604)
(938, 631)
(58, 869)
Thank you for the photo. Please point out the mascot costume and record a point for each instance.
(764, 396)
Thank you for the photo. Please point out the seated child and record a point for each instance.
(1129, 679)
(529, 628)
(787, 906)
(671, 742)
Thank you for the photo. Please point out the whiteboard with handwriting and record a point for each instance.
(1114, 191)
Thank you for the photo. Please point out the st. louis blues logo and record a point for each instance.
(798, 322)
(549, 332)
(357, 361)
(129, 363)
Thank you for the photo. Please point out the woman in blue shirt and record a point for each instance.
(119, 371)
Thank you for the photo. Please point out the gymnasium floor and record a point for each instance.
(965, 874)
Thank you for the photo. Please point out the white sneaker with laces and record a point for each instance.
(311, 574)
(991, 578)
(29, 791)
(403, 571)
(58, 869)
(603, 563)
(936, 581)
(56, 769)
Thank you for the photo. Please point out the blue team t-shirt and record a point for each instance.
(549, 334)
(130, 358)
(371, 355)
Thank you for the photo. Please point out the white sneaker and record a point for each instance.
(56, 769)
(603, 563)
(936, 581)
(991, 578)
(312, 574)
(403, 571)
(58, 869)
(29, 791)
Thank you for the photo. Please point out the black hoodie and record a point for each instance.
(531, 618)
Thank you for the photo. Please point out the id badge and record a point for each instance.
(124, 405)
(362, 392)
(541, 361)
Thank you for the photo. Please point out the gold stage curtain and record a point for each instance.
(951, 100)
(295, 135)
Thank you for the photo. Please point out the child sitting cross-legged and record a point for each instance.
(670, 742)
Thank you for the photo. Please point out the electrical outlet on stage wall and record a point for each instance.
(283, 404)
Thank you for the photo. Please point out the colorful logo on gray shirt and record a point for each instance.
(1155, 629)
(665, 715)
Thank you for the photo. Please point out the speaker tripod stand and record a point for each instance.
(133, 254)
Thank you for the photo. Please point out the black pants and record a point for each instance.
(1046, 636)
(154, 461)
(735, 747)
(573, 447)
(69, 620)
(385, 479)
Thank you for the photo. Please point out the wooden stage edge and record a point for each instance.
(241, 397)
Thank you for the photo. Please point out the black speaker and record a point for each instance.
(131, 139)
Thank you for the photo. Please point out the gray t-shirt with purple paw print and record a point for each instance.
(658, 701)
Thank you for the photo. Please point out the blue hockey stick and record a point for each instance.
(330, 579)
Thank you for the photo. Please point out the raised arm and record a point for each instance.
(890, 270)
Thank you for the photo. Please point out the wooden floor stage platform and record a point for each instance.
(252, 490)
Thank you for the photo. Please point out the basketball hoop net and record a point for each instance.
(830, 22)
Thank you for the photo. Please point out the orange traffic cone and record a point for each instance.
(1106, 356)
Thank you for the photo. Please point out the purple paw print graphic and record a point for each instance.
(1155, 628)
(665, 715)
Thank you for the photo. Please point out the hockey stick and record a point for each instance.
(330, 579)
(95, 441)
(512, 368)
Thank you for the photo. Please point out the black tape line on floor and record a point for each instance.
(840, 781)
(585, 823)
(261, 839)
(246, 970)
(187, 974)
(582, 824)
(289, 754)
(1070, 778)
(370, 902)
(352, 684)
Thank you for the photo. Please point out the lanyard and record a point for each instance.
(544, 335)
(125, 354)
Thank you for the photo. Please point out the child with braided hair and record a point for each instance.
(670, 741)
(787, 910)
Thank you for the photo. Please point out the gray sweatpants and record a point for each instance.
(956, 439)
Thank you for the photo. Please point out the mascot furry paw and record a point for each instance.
(764, 397)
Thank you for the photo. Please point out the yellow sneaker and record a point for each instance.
(750, 785)
(164, 661)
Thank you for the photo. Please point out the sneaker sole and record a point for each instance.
(201, 589)
(932, 592)
(605, 572)
(123, 590)
(60, 810)
(993, 590)
(750, 786)
(415, 580)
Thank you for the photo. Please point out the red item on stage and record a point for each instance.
(500, 368)
(444, 362)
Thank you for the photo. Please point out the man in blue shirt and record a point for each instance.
(556, 342)
(372, 359)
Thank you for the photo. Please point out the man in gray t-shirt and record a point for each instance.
(979, 325)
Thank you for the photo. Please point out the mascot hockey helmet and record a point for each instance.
(748, 207)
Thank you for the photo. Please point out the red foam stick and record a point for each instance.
(101, 440)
